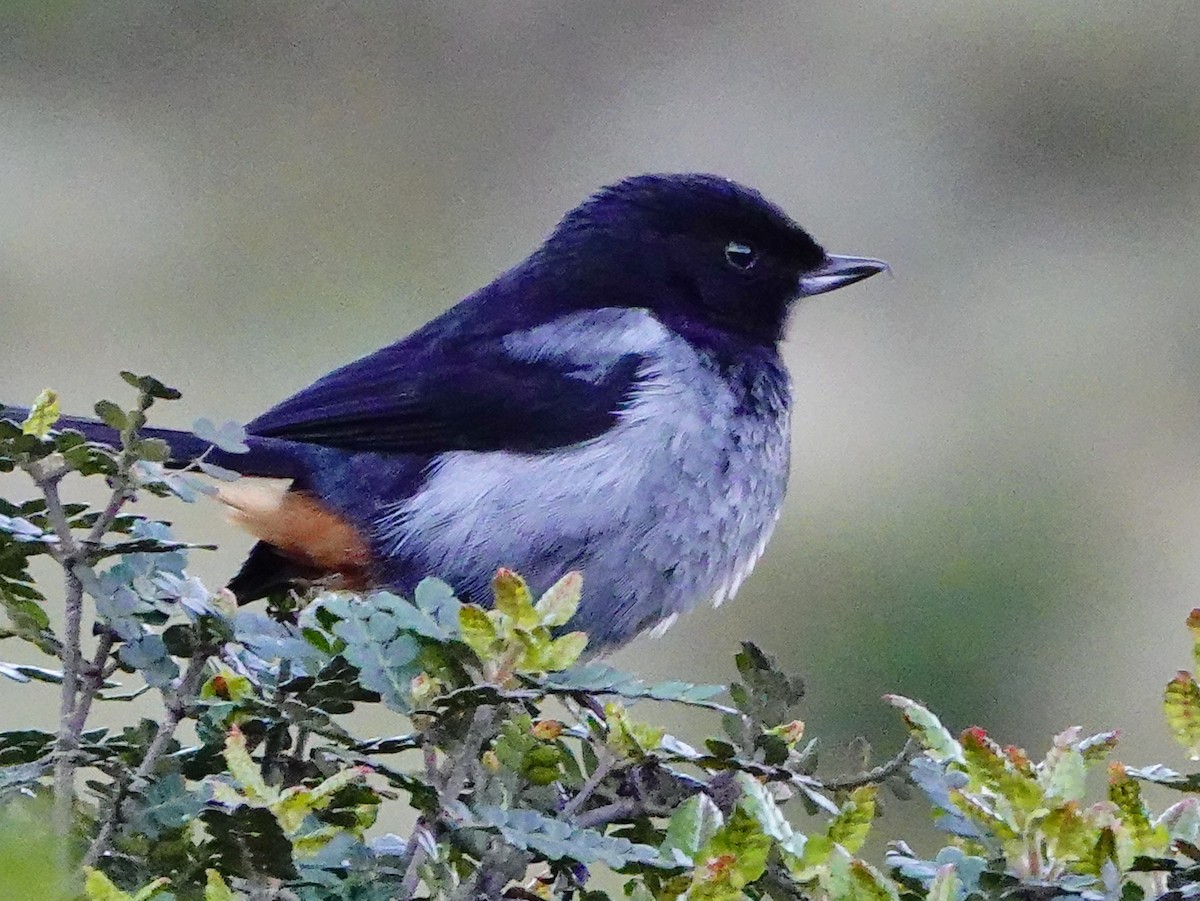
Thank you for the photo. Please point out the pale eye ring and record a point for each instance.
(740, 256)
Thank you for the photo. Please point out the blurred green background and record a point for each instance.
(995, 500)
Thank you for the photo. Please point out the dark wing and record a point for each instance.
(431, 396)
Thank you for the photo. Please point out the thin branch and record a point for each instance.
(116, 501)
(67, 554)
(449, 783)
(499, 865)
(884, 771)
(416, 853)
(94, 676)
(457, 771)
(603, 768)
(177, 702)
(79, 687)
(619, 810)
(301, 747)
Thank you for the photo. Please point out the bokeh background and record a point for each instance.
(995, 502)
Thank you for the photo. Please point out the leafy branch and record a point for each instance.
(533, 773)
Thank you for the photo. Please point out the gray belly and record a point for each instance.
(671, 507)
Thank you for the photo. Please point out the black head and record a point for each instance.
(703, 252)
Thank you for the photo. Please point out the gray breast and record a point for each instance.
(671, 507)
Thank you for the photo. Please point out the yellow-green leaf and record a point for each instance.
(868, 884)
(990, 767)
(1103, 851)
(935, 738)
(627, 736)
(1068, 835)
(1193, 624)
(514, 599)
(322, 793)
(42, 415)
(1126, 794)
(1181, 706)
(243, 768)
(564, 651)
(691, 826)
(816, 853)
(311, 842)
(477, 630)
(296, 803)
(150, 890)
(1063, 774)
(561, 600)
(226, 685)
(733, 858)
(758, 801)
(852, 823)
(99, 887)
(215, 888)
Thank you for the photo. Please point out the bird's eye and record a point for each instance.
(740, 256)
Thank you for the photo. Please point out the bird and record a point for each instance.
(615, 404)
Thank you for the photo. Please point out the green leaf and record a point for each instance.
(1181, 707)
(853, 822)
(477, 630)
(1068, 834)
(868, 884)
(768, 696)
(380, 643)
(248, 842)
(1064, 771)
(149, 891)
(1097, 747)
(513, 599)
(557, 840)
(111, 415)
(215, 888)
(42, 415)
(156, 450)
(150, 386)
(98, 887)
(627, 736)
(1126, 794)
(733, 858)
(601, 679)
(243, 768)
(935, 738)
(565, 651)
(561, 600)
(991, 768)
(691, 827)
(1193, 625)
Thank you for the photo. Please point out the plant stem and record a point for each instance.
(67, 555)
(603, 768)
(878, 774)
(177, 702)
(415, 853)
(619, 810)
(93, 678)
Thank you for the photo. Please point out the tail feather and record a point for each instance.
(300, 541)
(268, 457)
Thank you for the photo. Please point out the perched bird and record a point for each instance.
(614, 404)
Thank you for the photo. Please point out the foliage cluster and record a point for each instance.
(522, 762)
